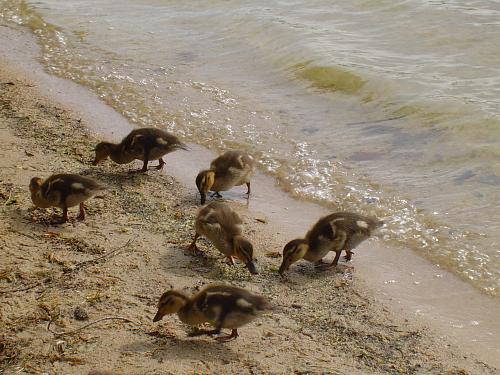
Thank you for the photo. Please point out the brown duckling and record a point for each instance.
(335, 232)
(222, 226)
(142, 144)
(63, 191)
(222, 306)
(230, 169)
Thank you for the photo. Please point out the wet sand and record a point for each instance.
(339, 322)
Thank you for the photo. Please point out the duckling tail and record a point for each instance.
(98, 188)
(182, 146)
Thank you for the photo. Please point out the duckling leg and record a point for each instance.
(320, 263)
(334, 262)
(145, 165)
(160, 166)
(348, 255)
(248, 187)
(81, 216)
(64, 217)
(232, 336)
(336, 259)
(192, 247)
(144, 168)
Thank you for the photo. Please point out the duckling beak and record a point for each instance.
(158, 316)
(283, 268)
(251, 267)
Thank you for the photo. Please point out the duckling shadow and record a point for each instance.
(38, 220)
(231, 196)
(180, 261)
(112, 178)
(189, 200)
(173, 348)
(308, 273)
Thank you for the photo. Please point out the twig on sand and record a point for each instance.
(108, 254)
(24, 234)
(76, 267)
(64, 333)
(20, 289)
(9, 200)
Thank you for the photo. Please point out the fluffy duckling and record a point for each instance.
(63, 191)
(233, 168)
(222, 226)
(335, 232)
(143, 144)
(222, 306)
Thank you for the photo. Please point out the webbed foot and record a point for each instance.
(226, 338)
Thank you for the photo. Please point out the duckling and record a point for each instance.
(233, 168)
(63, 191)
(143, 144)
(336, 232)
(222, 226)
(223, 306)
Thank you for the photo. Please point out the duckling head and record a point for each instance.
(243, 250)
(102, 151)
(35, 184)
(204, 182)
(293, 252)
(170, 302)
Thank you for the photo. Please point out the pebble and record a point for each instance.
(80, 314)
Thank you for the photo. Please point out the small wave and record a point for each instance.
(328, 78)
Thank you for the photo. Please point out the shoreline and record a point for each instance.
(281, 220)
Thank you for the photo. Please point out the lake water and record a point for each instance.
(388, 108)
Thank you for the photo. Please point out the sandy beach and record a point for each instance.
(131, 248)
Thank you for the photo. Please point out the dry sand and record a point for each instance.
(130, 249)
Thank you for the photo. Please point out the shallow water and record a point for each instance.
(387, 108)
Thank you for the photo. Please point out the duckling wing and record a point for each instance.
(51, 191)
(231, 307)
(325, 236)
(170, 141)
(230, 221)
(358, 228)
(207, 222)
(221, 215)
(321, 230)
(154, 142)
(69, 189)
(345, 229)
(234, 161)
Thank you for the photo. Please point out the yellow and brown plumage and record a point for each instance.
(233, 168)
(341, 231)
(144, 144)
(222, 306)
(221, 225)
(63, 191)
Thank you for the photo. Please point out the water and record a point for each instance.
(389, 108)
